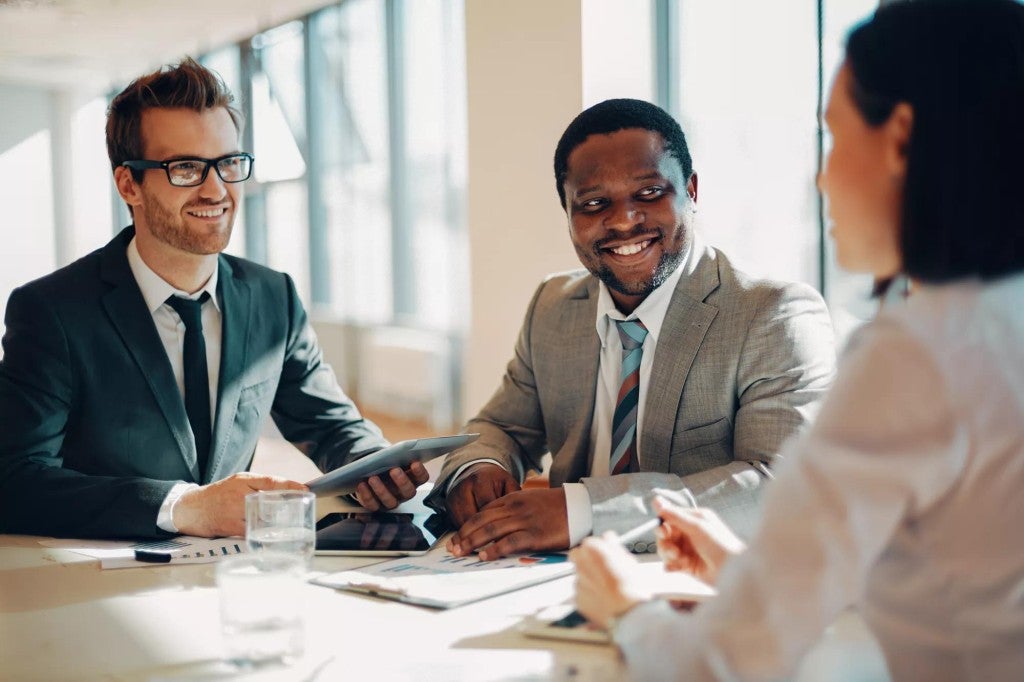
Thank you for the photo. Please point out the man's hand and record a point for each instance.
(389, 491)
(480, 485)
(522, 521)
(218, 509)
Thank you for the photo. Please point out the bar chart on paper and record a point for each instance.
(442, 580)
(183, 549)
(447, 563)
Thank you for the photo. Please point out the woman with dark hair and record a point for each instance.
(905, 497)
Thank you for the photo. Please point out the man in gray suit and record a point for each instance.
(660, 367)
(135, 381)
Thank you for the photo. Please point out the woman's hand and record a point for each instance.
(694, 540)
(604, 586)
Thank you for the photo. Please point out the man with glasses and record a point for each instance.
(135, 381)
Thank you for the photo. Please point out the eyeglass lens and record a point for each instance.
(193, 171)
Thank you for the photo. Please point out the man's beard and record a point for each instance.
(667, 264)
(171, 229)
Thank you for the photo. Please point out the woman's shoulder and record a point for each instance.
(959, 316)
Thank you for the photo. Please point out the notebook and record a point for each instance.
(563, 621)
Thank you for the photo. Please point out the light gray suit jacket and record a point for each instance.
(739, 367)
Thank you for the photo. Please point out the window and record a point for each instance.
(618, 50)
(357, 123)
(431, 269)
(279, 134)
(349, 56)
(747, 102)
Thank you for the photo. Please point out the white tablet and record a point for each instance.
(344, 479)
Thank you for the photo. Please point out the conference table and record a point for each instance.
(62, 617)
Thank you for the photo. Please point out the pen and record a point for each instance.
(152, 557)
(641, 530)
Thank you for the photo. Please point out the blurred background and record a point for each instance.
(403, 174)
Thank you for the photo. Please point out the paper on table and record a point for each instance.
(441, 580)
(184, 549)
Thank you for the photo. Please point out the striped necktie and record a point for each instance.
(623, 457)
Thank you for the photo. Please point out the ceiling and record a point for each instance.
(89, 45)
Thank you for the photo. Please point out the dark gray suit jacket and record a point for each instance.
(93, 430)
(739, 367)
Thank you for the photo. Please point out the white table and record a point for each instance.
(63, 618)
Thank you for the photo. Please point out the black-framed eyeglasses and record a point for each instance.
(192, 171)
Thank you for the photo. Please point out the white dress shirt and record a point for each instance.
(905, 498)
(156, 291)
(651, 312)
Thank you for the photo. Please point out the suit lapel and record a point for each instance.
(127, 311)
(580, 359)
(236, 309)
(686, 323)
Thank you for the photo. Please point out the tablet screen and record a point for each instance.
(378, 534)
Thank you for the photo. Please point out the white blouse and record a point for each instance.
(905, 498)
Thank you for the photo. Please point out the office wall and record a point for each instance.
(26, 187)
(54, 180)
(524, 85)
(26, 111)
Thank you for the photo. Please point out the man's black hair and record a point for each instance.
(611, 116)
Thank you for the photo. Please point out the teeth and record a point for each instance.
(630, 249)
(211, 213)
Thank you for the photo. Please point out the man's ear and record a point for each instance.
(126, 186)
(691, 187)
(898, 129)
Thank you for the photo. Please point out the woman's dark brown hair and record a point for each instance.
(959, 64)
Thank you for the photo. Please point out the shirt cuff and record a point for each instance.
(581, 516)
(165, 517)
(458, 472)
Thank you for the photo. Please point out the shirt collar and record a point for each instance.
(651, 311)
(155, 290)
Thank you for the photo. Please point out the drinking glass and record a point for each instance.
(281, 521)
(261, 607)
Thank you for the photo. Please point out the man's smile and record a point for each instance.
(630, 249)
(208, 213)
(634, 249)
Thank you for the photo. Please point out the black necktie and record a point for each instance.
(197, 378)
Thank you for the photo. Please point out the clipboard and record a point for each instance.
(344, 480)
(442, 581)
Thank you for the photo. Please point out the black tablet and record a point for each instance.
(378, 533)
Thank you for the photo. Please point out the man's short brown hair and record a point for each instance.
(188, 85)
